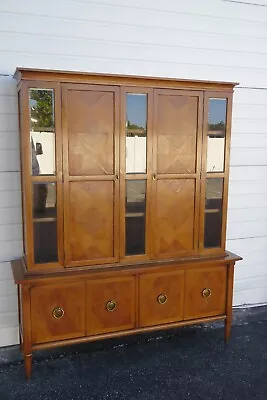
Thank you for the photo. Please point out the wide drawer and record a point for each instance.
(57, 312)
(205, 292)
(161, 297)
(110, 305)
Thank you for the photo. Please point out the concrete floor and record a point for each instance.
(186, 363)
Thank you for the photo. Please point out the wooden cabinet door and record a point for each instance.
(205, 292)
(176, 178)
(161, 298)
(110, 305)
(58, 312)
(91, 184)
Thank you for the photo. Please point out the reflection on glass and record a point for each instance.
(216, 135)
(213, 212)
(44, 200)
(45, 242)
(42, 126)
(136, 132)
(45, 222)
(135, 217)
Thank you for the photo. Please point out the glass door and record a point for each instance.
(135, 167)
(42, 179)
(215, 171)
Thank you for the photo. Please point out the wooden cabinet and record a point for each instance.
(124, 206)
(161, 298)
(110, 305)
(57, 311)
(205, 293)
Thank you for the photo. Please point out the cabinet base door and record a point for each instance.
(110, 305)
(205, 292)
(161, 297)
(57, 312)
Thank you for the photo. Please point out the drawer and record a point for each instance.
(205, 292)
(58, 312)
(110, 305)
(161, 297)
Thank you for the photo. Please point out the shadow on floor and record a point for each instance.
(186, 363)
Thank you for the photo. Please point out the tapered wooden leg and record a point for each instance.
(227, 328)
(28, 365)
(26, 323)
(229, 301)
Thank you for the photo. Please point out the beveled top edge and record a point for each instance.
(22, 73)
(21, 275)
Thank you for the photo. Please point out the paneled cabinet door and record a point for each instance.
(91, 180)
(161, 298)
(205, 292)
(110, 305)
(57, 312)
(176, 177)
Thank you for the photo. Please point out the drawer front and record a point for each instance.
(58, 312)
(161, 297)
(110, 305)
(205, 292)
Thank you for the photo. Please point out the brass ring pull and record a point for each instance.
(111, 305)
(162, 299)
(58, 312)
(206, 293)
(154, 177)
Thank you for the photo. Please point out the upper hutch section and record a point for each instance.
(122, 169)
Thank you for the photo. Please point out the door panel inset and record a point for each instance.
(91, 132)
(91, 221)
(174, 218)
(176, 134)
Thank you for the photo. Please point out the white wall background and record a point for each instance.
(209, 39)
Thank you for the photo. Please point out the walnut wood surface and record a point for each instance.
(91, 190)
(196, 280)
(176, 133)
(98, 293)
(128, 80)
(171, 285)
(91, 220)
(22, 276)
(174, 217)
(90, 117)
(44, 299)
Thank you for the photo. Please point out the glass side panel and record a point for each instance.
(42, 127)
(213, 212)
(44, 222)
(45, 242)
(136, 132)
(216, 135)
(44, 200)
(135, 217)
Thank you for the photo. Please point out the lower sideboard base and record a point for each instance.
(65, 309)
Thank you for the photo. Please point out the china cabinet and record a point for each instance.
(124, 192)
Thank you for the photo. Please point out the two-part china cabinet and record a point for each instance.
(124, 193)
